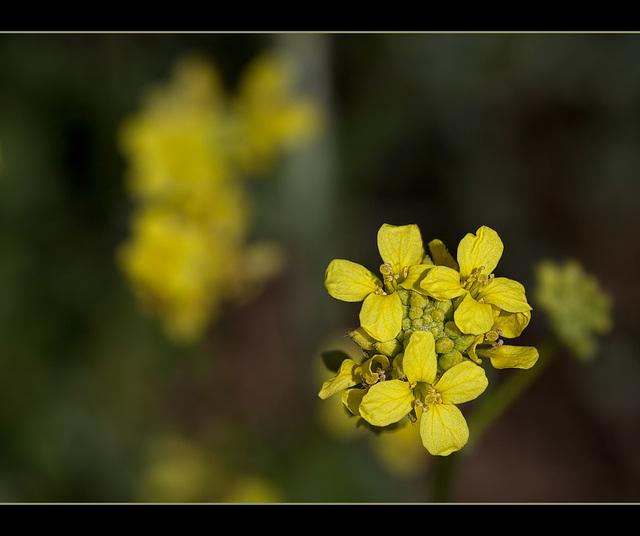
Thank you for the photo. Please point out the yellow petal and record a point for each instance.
(461, 383)
(482, 249)
(442, 283)
(472, 317)
(441, 256)
(342, 380)
(352, 398)
(443, 429)
(381, 316)
(420, 362)
(400, 246)
(505, 356)
(349, 281)
(506, 294)
(415, 274)
(386, 402)
(471, 352)
(371, 367)
(511, 325)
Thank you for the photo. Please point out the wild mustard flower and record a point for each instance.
(381, 314)
(423, 357)
(481, 291)
(433, 398)
(187, 152)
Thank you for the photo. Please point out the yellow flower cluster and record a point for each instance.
(425, 327)
(189, 152)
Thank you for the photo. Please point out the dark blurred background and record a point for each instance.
(534, 135)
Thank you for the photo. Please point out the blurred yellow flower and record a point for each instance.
(188, 153)
(180, 470)
(267, 116)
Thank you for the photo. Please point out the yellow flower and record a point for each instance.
(186, 151)
(266, 115)
(351, 373)
(443, 428)
(381, 314)
(170, 261)
(490, 345)
(474, 283)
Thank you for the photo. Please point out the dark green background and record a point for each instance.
(535, 135)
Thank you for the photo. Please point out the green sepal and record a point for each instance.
(363, 339)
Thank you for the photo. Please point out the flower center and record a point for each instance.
(426, 396)
(477, 281)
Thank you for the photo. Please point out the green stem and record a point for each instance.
(496, 403)
(486, 414)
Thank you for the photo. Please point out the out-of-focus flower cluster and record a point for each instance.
(182, 471)
(189, 152)
(425, 328)
(577, 308)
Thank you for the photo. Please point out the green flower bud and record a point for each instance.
(451, 330)
(389, 348)
(419, 325)
(463, 342)
(444, 345)
(449, 359)
(418, 300)
(362, 339)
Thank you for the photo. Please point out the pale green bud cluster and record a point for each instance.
(577, 308)
(423, 313)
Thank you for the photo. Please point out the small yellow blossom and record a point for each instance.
(381, 314)
(351, 373)
(443, 428)
(480, 291)
(491, 345)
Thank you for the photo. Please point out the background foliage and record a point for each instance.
(534, 135)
